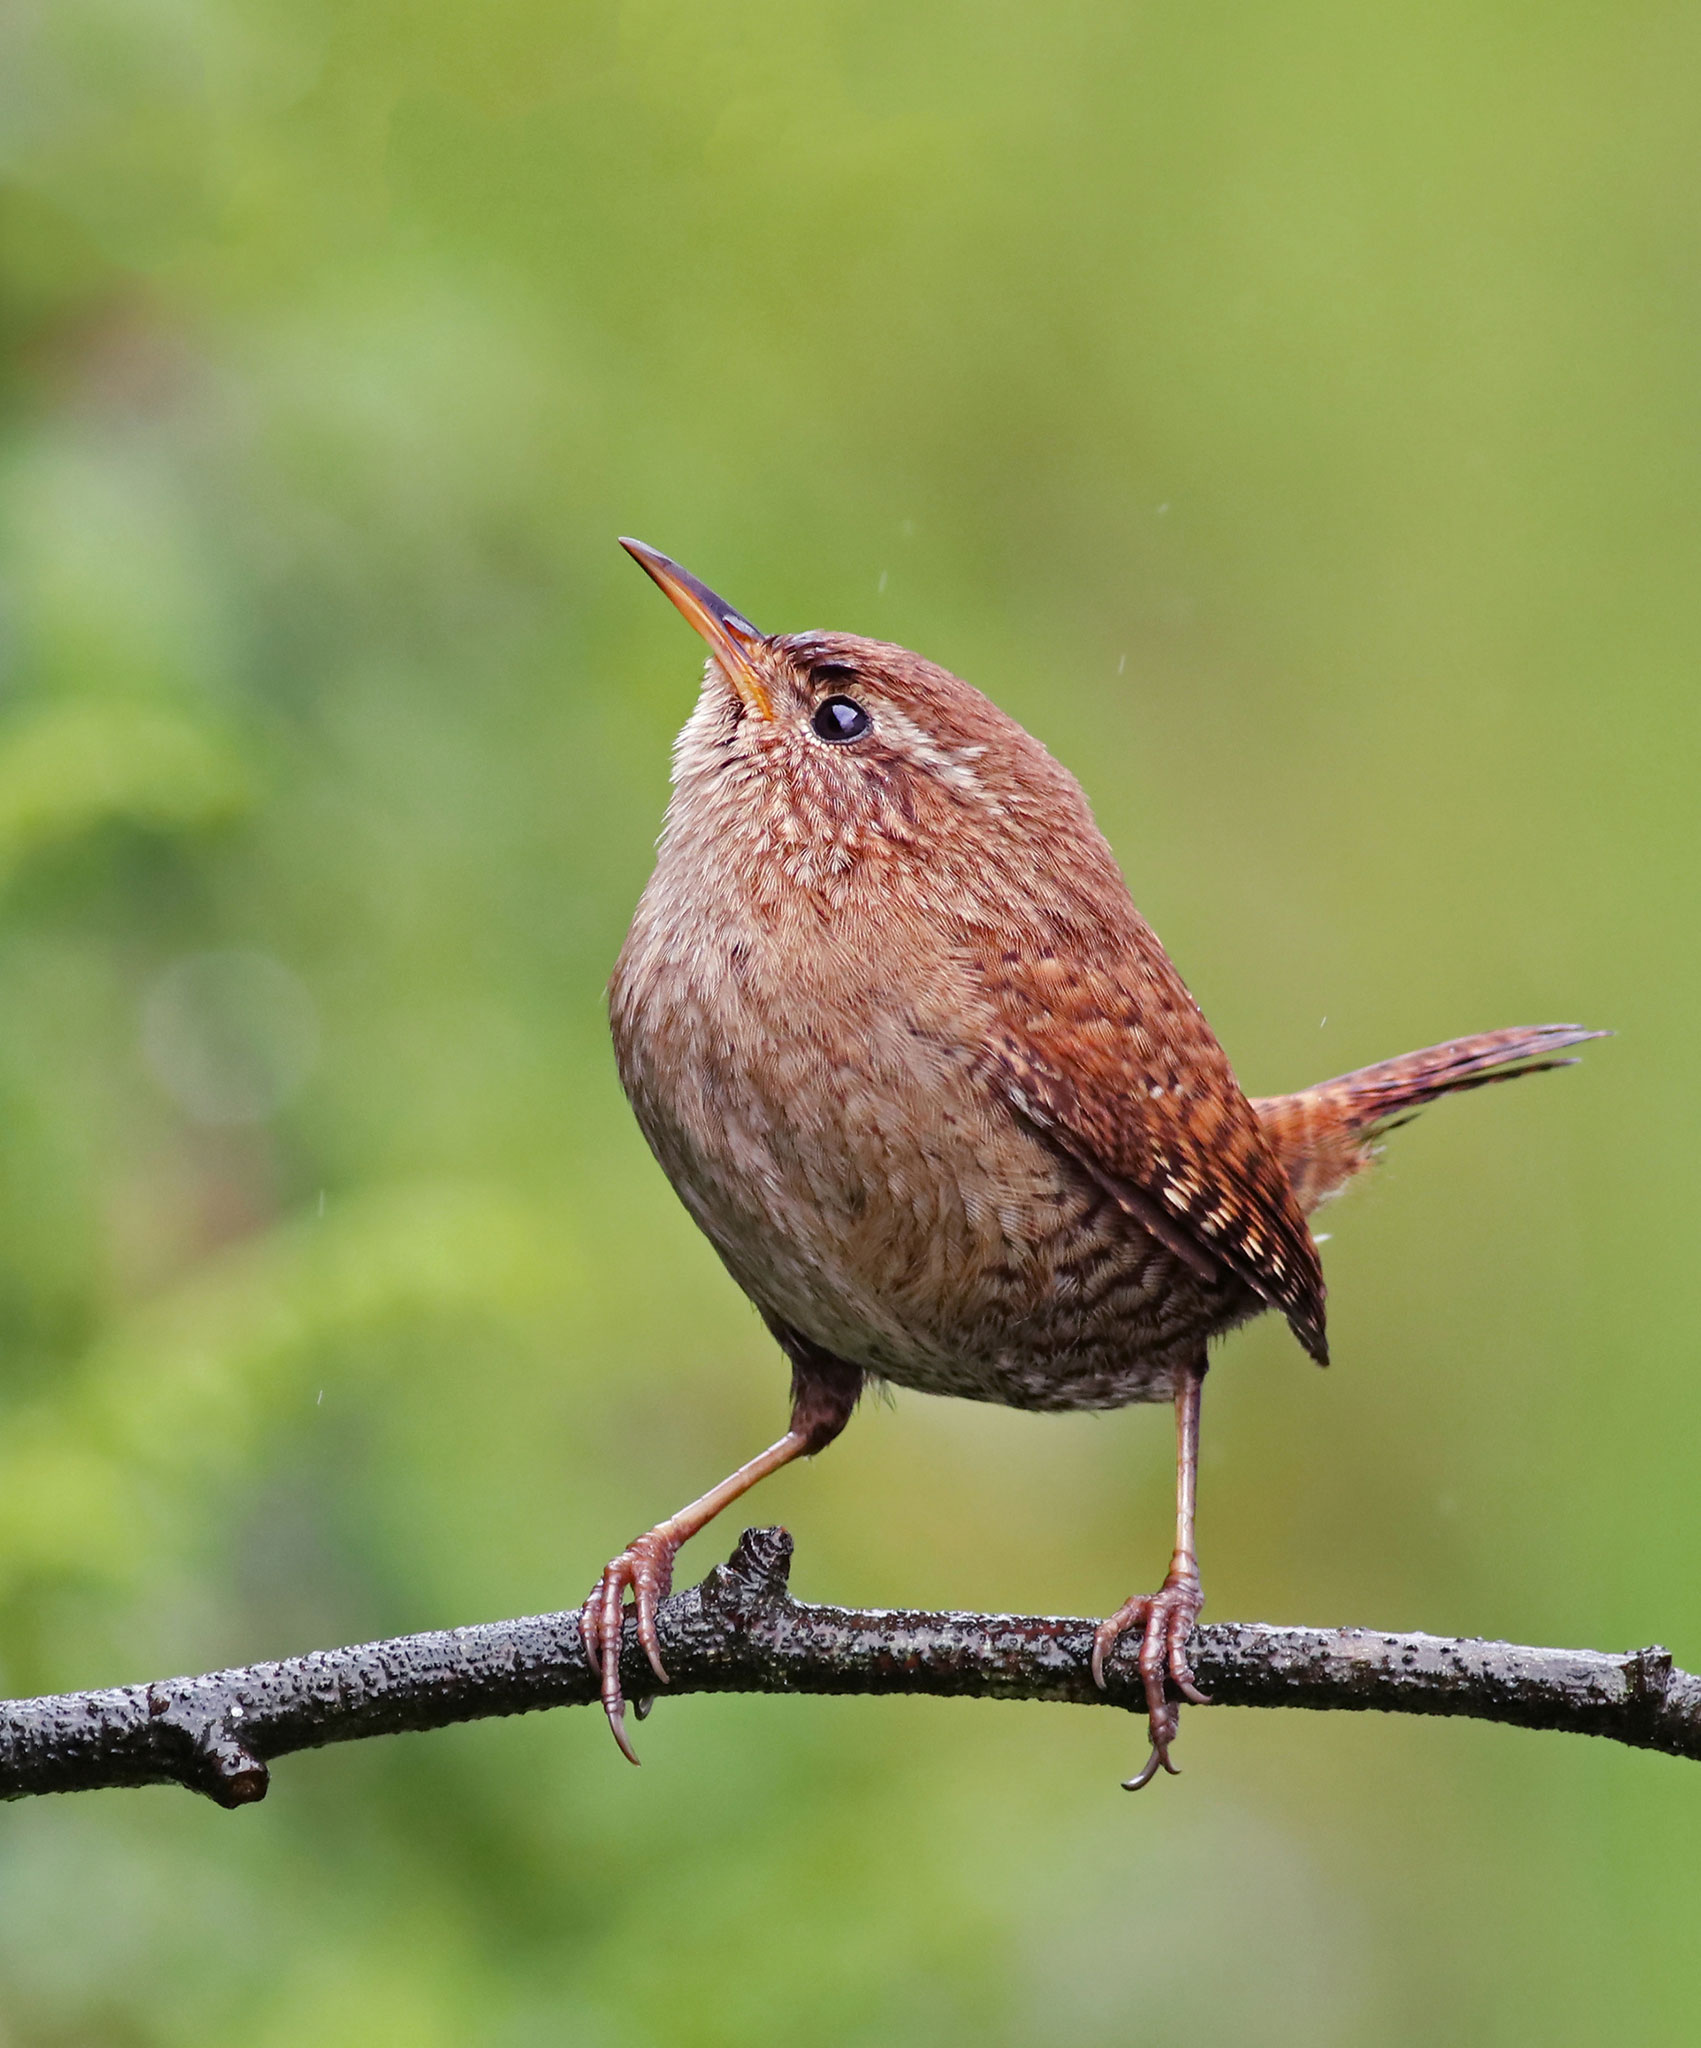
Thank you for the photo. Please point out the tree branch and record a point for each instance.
(740, 1631)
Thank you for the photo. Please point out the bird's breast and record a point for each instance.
(816, 1090)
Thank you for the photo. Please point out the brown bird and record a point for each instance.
(930, 1085)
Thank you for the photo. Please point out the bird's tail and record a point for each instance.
(1327, 1134)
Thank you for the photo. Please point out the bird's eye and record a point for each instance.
(839, 719)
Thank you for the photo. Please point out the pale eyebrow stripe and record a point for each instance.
(951, 769)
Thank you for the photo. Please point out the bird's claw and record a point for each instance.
(646, 1568)
(1165, 1620)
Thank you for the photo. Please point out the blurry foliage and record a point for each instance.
(1291, 415)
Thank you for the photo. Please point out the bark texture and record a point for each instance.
(740, 1631)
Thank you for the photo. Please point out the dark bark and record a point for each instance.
(740, 1631)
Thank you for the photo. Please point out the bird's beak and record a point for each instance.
(732, 637)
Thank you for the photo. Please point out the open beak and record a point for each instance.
(734, 640)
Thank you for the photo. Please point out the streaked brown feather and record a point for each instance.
(1103, 1048)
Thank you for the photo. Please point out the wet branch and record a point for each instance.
(740, 1631)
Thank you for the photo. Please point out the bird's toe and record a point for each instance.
(1165, 1621)
(645, 1568)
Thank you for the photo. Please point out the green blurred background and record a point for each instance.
(1291, 414)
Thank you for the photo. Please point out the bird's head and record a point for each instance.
(832, 752)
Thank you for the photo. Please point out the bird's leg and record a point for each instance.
(1165, 1618)
(646, 1566)
(824, 1392)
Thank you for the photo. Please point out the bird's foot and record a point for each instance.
(646, 1567)
(1165, 1620)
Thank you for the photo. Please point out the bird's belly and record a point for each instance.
(895, 1212)
(1044, 1298)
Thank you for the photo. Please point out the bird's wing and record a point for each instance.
(1103, 1049)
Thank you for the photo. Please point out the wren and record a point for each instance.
(928, 1082)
